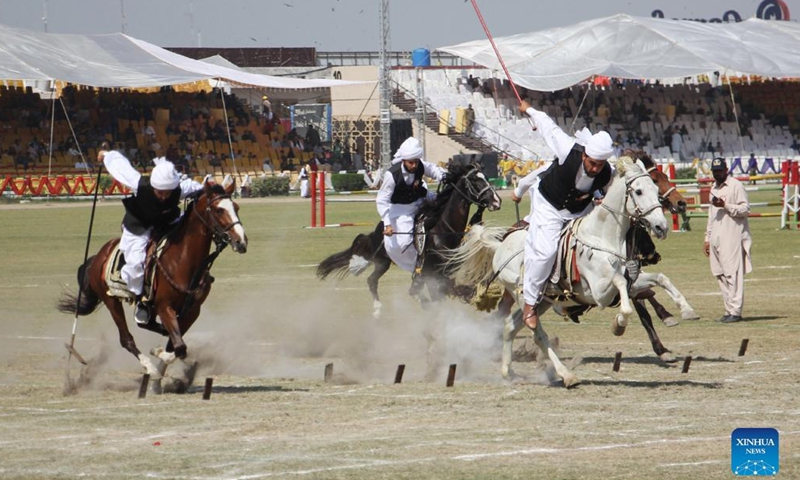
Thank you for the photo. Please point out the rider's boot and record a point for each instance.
(417, 282)
(530, 317)
(142, 312)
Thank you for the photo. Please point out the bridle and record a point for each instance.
(638, 211)
(662, 197)
(221, 239)
(472, 194)
(219, 232)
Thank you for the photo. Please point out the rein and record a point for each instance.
(221, 240)
(638, 213)
(662, 197)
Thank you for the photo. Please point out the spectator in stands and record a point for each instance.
(266, 108)
(285, 164)
(337, 149)
(312, 137)
(676, 146)
(149, 132)
(22, 160)
(469, 120)
(473, 82)
(727, 239)
(564, 193)
(213, 160)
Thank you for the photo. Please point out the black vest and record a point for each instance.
(558, 182)
(406, 194)
(144, 210)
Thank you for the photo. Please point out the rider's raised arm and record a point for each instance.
(384, 198)
(189, 186)
(434, 171)
(121, 169)
(555, 138)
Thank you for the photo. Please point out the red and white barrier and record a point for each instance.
(790, 215)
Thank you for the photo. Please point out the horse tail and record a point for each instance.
(354, 260)
(68, 303)
(471, 262)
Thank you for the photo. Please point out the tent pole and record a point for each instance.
(52, 128)
(735, 115)
(228, 129)
(580, 107)
(74, 137)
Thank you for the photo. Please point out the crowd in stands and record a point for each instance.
(187, 128)
(672, 121)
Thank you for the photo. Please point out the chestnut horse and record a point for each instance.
(182, 281)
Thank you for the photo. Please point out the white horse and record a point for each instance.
(600, 249)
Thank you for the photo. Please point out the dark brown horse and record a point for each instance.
(182, 281)
(446, 219)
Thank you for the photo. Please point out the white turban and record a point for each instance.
(411, 149)
(600, 146)
(164, 176)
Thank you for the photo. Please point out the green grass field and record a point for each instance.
(269, 327)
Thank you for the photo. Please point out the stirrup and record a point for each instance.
(142, 313)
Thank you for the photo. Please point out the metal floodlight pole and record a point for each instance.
(421, 112)
(385, 91)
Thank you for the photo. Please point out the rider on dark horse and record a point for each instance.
(152, 208)
(402, 192)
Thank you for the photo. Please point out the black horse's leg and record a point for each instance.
(647, 323)
(382, 264)
(662, 312)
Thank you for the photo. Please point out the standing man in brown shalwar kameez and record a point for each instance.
(728, 240)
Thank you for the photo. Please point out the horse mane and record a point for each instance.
(645, 157)
(623, 164)
(433, 209)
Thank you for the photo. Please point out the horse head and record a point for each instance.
(667, 193)
(220, 214)
(641, 196)
(470, 182)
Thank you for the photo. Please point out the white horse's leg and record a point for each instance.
(543, 342)
(625, 308)
(376, 309)
(149, 368)
(513, 325)
(166, 357)
(647, 280)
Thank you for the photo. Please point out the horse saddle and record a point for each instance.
(117, 286)
(565, 271)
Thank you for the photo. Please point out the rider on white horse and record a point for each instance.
(564, 192)
(155, 203)
(402, 192)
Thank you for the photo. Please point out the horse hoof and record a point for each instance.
(571, 381)
(690, 315)
(668, 357)
(155, 386)
(616, 329)
(670, 322)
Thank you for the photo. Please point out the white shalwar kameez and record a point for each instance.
(401, 217)
(134, 247)
(546, 222)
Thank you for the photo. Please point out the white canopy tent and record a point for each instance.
(624, 46)
(117, 60)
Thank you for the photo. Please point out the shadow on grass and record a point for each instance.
(652, 384)
(650, 360)
(247, 389)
